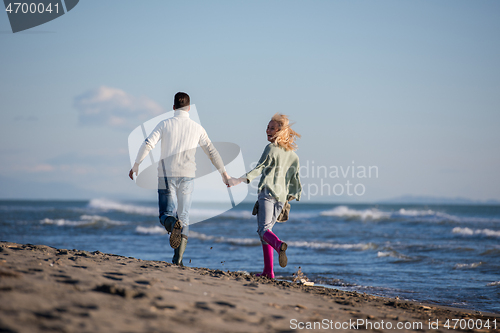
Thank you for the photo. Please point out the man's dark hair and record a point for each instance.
(181, 100)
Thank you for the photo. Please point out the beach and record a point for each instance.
(443, 255)
(58, 290)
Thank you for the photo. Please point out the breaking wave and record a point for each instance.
(156, 230)
(255, 241)
(229, 240)
(85, 220)
(423, 215)
(392, 254)
(468, 266)
(344, 211)
(325, 245)
(470, 232)
(107, 205)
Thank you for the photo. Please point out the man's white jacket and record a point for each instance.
(180, 136)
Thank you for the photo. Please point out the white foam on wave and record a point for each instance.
(94, 218)
(25, 208)
(242, 214)
(418, 215)
(325, 245)
(301, 215)
(470, 232)
(106, 205)
(414, 212)
(490, 233)
(220, 239)
(156, 230)
(433, 216)
(427, 215)
(393, 254)
(463, 231)
(84, 220)
(375, 214)
(256, 241)
(247, 214)
(103, 219)
(468, 266)
(344, 211)
(497, 283)
(64, 222)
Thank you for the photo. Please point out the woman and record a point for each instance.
(279, 166)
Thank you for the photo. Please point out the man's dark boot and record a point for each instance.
(179, 252)
(173, 227)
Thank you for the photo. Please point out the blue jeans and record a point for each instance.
(269, 210)
(181, 188)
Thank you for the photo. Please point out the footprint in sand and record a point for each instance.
(163, 306)
(226, 304)
(143, 282)
(203, 306)
(113, 276)
(47, 315)
(63, 278)
(115, 273)
(9, 273)
(36, 270)
(68, 280)
(120, 291)
(87, 306)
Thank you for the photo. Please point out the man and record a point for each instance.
(179, 137)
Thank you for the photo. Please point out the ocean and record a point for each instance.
(440, 254)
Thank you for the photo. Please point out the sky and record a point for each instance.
(407, 89)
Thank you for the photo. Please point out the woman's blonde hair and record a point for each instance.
(285, 136)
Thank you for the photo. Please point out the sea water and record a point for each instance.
(447, 255)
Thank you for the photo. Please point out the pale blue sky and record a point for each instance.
(412, 87)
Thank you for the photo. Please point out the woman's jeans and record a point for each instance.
(269, 210)
(181, 188)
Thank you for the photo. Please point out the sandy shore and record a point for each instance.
(43, 289)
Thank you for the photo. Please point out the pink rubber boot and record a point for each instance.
(268, 261)
(280, 247)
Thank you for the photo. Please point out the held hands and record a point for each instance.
(135, 169)
(236, 181)
(230, 181)
(225, 178)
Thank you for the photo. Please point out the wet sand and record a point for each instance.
(43, 289)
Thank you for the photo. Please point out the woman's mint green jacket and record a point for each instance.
(280, 173)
